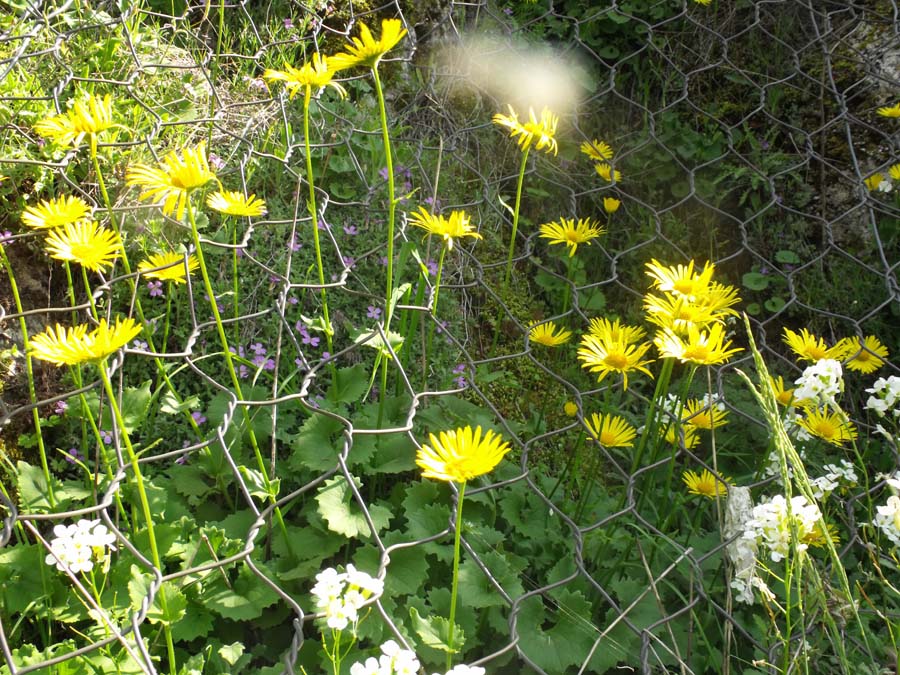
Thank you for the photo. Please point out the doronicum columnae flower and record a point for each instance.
(874, 181)
(611, 205)
(816, 537)
(168, 266)
(612, 356)
(703, 415)
(71, 346)
(675, 434)
(51, 213)
(829, 426)
(174, 179)
(678, 312)
(615, 331)
(701, 347)
(890, 111)
(453, 227)
(784, 396)
(894, 172)
(705, 484)
(461, 454)
(549, 334)
(84, 118)
(366, 50)
(540, 132)
(611, 431)
(570, 408)
(607, 173)
(597, 150)
(570, 232)
(86, 243)
(312, 75)
(236, 204)
(864, 356)
(809, 347)
(681, 280)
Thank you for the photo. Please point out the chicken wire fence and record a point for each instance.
(743, 130)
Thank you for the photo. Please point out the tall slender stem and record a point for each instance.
(515, 225)
(29, 372)
(392, 204)
(314, 214)
(455, 588)
(145, 504)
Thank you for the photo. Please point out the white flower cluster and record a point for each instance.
(820, 383)
(773, 461)
(885, 396)
(465, 670)
(77, 547)
(888, 516)
(770, 525)
(394, 660)
(340, 595)
(837, 476)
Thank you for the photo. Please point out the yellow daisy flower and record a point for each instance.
(570, 408)
(311, 75)
(366, 50)
(461, 455)
(172, 265)
(571, 233)
(611, 431)
(703, 347)
(455, 226)
(816, 536)
(705, 484)
(890, 111)
(784, 396)
(864, 356)
(84, 118)
(615, 331)
(174, 179)
(809, 347)
(672, 434)
(542, 131)
(894, 172)
(51, 213)
(678, 313)
(611, 204)
(71, 346)
(86, 243)
(549, 334)
(233, 203)
(873, 181)
(608, 356)
(701, 415)
(597, 150)
(606, 172)
(681, 280)
(829, 426)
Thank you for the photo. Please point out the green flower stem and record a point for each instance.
(29, 371)
(314, 215)
(570, 260)
(76, 372)
(170, 288)
(434, 305)
(229, 364)
(679, 412)
(455, 588)
(161, 370)
(392, 204)
(515, 224)
(662, 385)
(565, 471)
(145, 505)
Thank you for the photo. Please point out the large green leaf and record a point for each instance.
(434, 632)
(168, 605)
(341, 513)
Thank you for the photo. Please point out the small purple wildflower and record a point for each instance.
(106, 437)
(199, 417)
(432, 267)
(460, 382)
(351, 230)
(140, 344)
(383, 260)
(216, 162)
(295, 246)
(348, 261)
(441, 327)
(460, 368)
(269, 364)
(182, 460)
(508, 11)
(257, 348)
(288, 23)
(73, 455)
(326, 356)
(374, 312)
(383, 172)
(435, 204)
(240, 350)
(256, 83)
(322, 225)
(155, 289)
(306, 338)
(243, 372)
(292, 300)
(60, 407)
(5, 237)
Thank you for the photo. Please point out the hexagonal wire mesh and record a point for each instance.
(776, 95)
